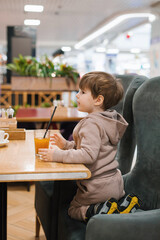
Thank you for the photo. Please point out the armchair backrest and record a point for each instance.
(144, 179)
(126, 80)
(127, 144)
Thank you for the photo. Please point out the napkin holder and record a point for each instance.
(9, 125)
(15, 134)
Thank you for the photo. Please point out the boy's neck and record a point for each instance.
(97, 109)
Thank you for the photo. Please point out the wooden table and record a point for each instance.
(44, 114)
(18, 163)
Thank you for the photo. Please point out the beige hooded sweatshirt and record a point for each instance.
(95, 145)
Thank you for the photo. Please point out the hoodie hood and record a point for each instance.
(112, 122)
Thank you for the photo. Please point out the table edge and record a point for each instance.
(44, 176)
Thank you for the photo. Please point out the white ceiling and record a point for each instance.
(65, 22)
(139, 39)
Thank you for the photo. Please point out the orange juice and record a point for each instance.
(41, 143)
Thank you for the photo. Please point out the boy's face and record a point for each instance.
(85, 101)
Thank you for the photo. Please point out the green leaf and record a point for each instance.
(29, 66)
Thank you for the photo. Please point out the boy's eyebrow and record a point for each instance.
(83, 89)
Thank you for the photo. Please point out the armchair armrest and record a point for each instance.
(144, 225)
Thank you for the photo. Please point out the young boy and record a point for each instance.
(95, 143)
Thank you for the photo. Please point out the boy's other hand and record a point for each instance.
(58, 140)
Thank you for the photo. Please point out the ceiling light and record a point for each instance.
(111, 25)
(152, 18)
(66, 49)
(33, 8)
(33, 22)
(100, 50)
(135, 50)
(112, 51)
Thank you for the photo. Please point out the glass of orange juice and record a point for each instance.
(39, 141)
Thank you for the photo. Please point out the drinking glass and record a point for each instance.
(40, 141)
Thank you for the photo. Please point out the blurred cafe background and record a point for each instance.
(47, 45)
(119, 36)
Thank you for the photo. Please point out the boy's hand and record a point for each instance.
(47, 154)
(58, 140)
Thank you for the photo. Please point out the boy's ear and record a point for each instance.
(99, 100)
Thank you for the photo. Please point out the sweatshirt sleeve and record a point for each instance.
(69, 145)
(90, 138)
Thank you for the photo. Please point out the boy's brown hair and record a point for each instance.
(101, 83)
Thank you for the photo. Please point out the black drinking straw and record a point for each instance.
(50, 121)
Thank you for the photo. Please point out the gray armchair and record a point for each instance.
(126, 81)
(127, 144)
(53, 198)
(136, 226)
(143, 180)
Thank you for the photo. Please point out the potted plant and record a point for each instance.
(42, 75)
